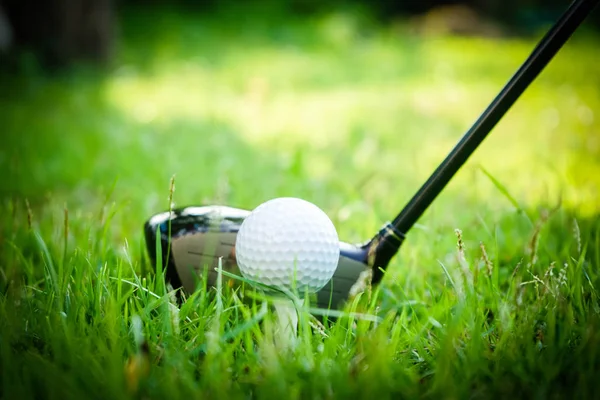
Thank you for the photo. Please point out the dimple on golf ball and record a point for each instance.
(288, 243)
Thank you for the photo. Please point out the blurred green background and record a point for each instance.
(350, 105)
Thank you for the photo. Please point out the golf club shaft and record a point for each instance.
(539, 58)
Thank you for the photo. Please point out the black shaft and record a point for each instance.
(539, 58)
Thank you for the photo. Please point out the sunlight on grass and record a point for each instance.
(413, 99)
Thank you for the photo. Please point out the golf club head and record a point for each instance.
(194, 238)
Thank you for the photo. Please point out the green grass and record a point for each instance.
(350, 116)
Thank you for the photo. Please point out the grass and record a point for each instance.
(492, 295)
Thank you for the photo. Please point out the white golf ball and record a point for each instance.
(288, 242)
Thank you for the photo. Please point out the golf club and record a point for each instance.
(192, 239)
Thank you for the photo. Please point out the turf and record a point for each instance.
(492, 295)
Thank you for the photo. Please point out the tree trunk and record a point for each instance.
(63, 31)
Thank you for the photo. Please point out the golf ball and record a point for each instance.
(288, 243)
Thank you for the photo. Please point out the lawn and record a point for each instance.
(492, 294)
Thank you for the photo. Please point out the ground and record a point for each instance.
(492, 294)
